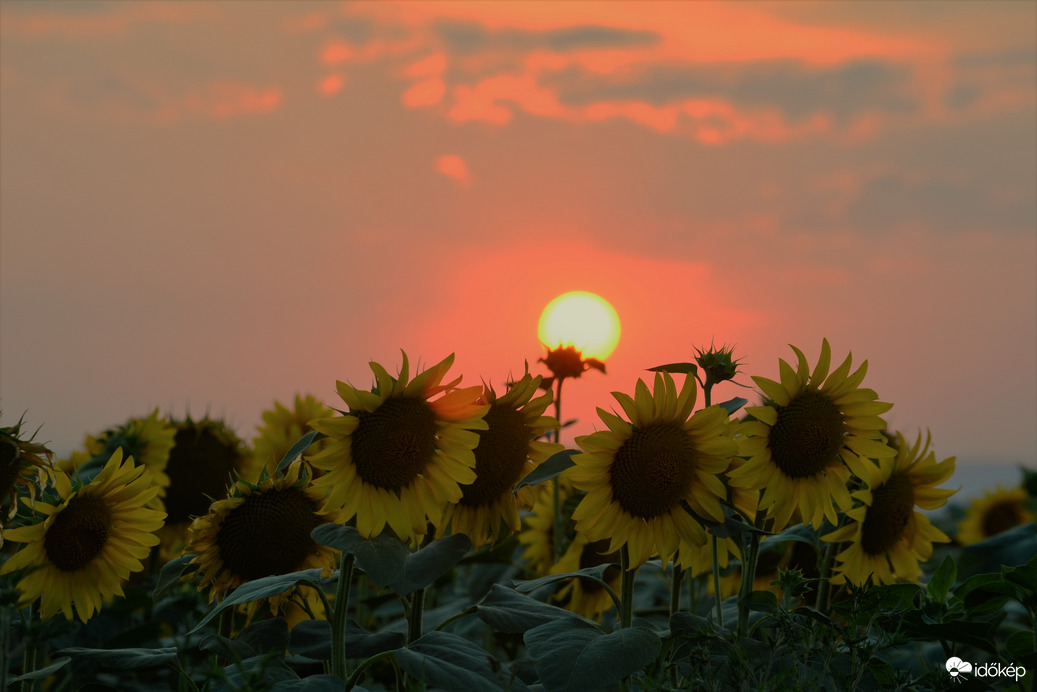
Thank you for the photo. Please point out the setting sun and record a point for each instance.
(581, 319)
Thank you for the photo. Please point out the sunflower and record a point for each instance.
(637, 473)
(398, 458)
(583, 596)
(149, 440)
(21, 461)
(207, 457)
(259, 530)
(887, 536)
(90, 542)
(996, 511)
(282, 427)
(538, 534)
(812, 431)
(507, 451)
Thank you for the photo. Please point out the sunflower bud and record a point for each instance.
(717, 363)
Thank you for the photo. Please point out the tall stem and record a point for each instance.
(824, 588)
(675, 587)
(626, 613)
(339, 614)
(35, 651)
(716, 583)
(558, 530)
(417, 608)
(748, 579)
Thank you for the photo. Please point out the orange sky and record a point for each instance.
(210, 206)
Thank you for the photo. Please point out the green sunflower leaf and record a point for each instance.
(446, 661)
(1011, 548)
(732, 405)
(265, 588)
(171, 573)
(299, 447)
(595, 574)
(382, 558)
(573, 656)
(323, 682)
(942, 580)
(549, 468)
(125, 659)
(423, 567)
(506, 610)
(47, 671)
(676, 368)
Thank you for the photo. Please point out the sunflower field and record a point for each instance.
(418, 534)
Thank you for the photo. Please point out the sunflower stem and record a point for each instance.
(339, 615)
(675, 588)
(5, 643)
(626, 613)
(226, 622)
(824, 588)
(35, 651)
(716, 583)
(354, 677)
(417, 608)
(748, 579)
(556, 534)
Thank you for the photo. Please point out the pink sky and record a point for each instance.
(210, 206)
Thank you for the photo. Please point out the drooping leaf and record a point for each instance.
(595, 574)
(423, 567)
(48, 670)
(572, 656)
(170, 574)
(312, 639)
(446, 661)
(298, 448)
(382, 558)
(549, 468)
(506, 610)
(126, 659)
(265, 588)
(324, 682)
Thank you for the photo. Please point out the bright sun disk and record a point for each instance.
(581, 319)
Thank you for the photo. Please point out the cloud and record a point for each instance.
(473, 37)
(86, 19)
(454, 167)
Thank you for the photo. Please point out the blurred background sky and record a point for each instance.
(205, 207)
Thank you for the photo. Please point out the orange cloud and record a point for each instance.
(223, 100)
(331, 84)
(453, 166)
(427, 92)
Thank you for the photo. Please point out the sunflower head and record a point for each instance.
(207, 457)
(508, 449)
(259, 530)
(887, 537)
(403, 450)
(640, 473)
(282, 427)
(90, 539)
(994, 512)
(21, 461)
(812, 430)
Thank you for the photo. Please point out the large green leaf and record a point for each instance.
(55, 665)
(549, 468)
(594, 574)
(431, 562)
(298, 448)
(171, 573)
(265, 588)
(506, 610)
(312, 639)
(732, 405)
(125, 659)
(382, 558)
(446, 661)
(313, 683)
(1014, 547)
(573, 656)
(676, 368)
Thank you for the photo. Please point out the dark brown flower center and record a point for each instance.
(592, 555)
(807, 436)
(1002, 516)
(268, 533)
(653, 470)
(394, 443)
(500, 457)
(887, 518)
(201, 466)
(78, 533)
